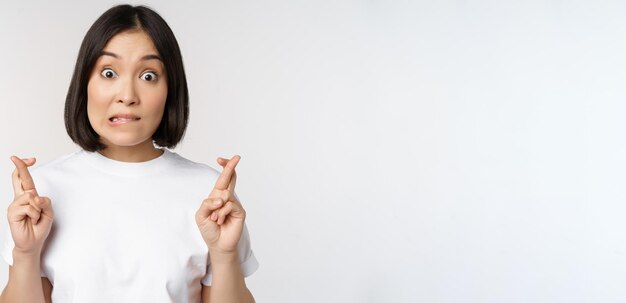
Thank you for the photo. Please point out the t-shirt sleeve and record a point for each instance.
(248, 261)
(7, 245)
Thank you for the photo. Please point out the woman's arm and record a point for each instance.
(228, 283)
(30, 220)
(220, 219)
(206, 293)
(25, 283)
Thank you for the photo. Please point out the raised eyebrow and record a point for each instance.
(152, 57)
(105, 53)
(146, 57)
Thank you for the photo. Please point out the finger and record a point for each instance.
(221, 161)
(230, 209)
(24, 211)
(226, 196)
(29, 161)
(35, 203)
(25, 178)
(17, 185)
(207, 206)
(15, 179)
(233, 180)
(225, 177)
(223, 212)
(25, 199)
(44, 203)
(33, 214)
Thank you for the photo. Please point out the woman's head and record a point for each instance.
(129, 60)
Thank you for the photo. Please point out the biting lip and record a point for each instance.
(123, 118)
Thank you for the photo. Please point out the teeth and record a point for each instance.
(114, 119)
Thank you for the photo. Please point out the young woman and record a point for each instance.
(124, 219)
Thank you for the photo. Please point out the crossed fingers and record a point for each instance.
(228, 178)
(223, 194)
(22, 180)
(27, 202)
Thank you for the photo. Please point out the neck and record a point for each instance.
(139, 153)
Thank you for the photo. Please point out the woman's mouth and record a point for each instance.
(122, 120)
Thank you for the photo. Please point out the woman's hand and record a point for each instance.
(30, 216)
(221, 216)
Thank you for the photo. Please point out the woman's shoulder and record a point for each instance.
(56, 164)
(190, 166)
(56, 171)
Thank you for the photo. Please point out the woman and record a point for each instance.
(124, 219)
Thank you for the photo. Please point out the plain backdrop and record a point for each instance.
(392, 151)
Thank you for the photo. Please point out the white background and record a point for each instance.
(392, 151)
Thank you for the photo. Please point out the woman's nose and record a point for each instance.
(127, 93)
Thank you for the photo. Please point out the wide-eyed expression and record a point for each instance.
(127, 90)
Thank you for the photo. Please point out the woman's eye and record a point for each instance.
(108, 73)
(149, 76)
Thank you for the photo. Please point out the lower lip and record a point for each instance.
(121, 122)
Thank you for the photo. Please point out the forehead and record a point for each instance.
(131, 44)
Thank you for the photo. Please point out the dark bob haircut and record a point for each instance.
(116, 20)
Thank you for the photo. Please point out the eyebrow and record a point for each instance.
(146, 57)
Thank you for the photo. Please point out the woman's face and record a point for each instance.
(127, 91)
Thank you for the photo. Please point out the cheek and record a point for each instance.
(99, 95)
(95, 99)
(156, 105)
(91, 106)
(97, 92)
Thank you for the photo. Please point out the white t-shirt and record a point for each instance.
(126, 232)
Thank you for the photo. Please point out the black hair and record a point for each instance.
(116, 20)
